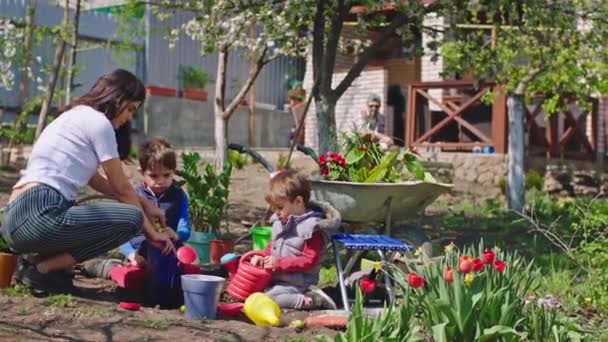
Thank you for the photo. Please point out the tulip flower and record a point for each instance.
(448, 275)
(468, 279)
(477, 265)
(487, 257)
(465, 264)
(415, 281)
(499, 266)
(367, 285)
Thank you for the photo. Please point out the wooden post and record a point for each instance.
(552, 135)
(410, 114)
(499, 121)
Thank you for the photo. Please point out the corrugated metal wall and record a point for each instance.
(271, 85)
(92, 63)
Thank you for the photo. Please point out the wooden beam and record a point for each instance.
(453, 115)
(499, 121)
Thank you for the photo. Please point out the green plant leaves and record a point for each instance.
(207, 192)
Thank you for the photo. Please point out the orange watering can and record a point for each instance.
(248, 278)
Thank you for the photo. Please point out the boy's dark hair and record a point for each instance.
(287, 185)
(157, 152)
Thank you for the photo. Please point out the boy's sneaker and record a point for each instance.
(320, 300)
(99, 268)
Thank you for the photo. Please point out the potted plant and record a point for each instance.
(8, 263)
(208, 197)
(193, 82)
(154, 90)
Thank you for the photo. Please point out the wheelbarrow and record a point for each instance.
(366, 204)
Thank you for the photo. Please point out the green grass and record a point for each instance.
(162, 323)
(17, 290)
(60, 301)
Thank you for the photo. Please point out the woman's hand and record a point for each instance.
(171, 234)
(161, 241)
(154, 213)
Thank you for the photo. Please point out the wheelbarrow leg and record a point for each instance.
(387, 216)
(341, 276)
(387, 279)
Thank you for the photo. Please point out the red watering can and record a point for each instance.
(248, 278)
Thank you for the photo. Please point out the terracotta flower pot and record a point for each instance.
(160, 91)
(217, 249)
(8, 264)
(195, 94)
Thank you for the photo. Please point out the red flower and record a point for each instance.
(499, 266)
(335, 157)
(448, 275)
(324, 171)
(322, 159)
(367, 285)
(465, 264)
(477, 265)
(415, 281)
(487, 257)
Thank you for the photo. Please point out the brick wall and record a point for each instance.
(348, 108)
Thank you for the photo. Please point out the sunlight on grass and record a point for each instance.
(60, 301)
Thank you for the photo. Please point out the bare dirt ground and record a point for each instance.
(93, 315)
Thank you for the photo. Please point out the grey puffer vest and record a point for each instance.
(288, 240)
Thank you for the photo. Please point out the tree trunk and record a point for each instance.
(325, 109)
(221, 127)
(221, 142)
(30, 11)
(72, 58)
(48, 97)
(516, 191)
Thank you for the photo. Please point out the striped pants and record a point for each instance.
(41, 220)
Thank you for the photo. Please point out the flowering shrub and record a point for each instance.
(363, 161)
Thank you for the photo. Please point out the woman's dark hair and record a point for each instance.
(110, 92)
(108, 95)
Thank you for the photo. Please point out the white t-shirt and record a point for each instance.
(70, 149)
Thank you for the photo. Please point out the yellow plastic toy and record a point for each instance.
(262, 310)
(367, 264)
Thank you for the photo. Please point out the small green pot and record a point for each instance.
(260, 237)
(200, 242)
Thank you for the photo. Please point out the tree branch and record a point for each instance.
(523, 84)
(364, 58)
(253, 75)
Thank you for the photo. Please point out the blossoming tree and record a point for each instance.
(225, 26)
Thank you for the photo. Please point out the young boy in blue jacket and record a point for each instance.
(157, 164)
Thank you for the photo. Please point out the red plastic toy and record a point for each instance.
(248, 278)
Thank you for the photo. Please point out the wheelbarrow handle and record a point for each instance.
(255, 155)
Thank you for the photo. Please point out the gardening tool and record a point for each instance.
(201, 295)
(262, 310)
(230, 309)
(248, 278)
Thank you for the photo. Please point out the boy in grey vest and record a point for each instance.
(300, 231)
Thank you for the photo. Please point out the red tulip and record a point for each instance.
(465, 264)
(487, 257)
(324, 171)
(477, 265)
(448, 275)
(415, 281)
(367, 285)
(499, 266)
(335, 157)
